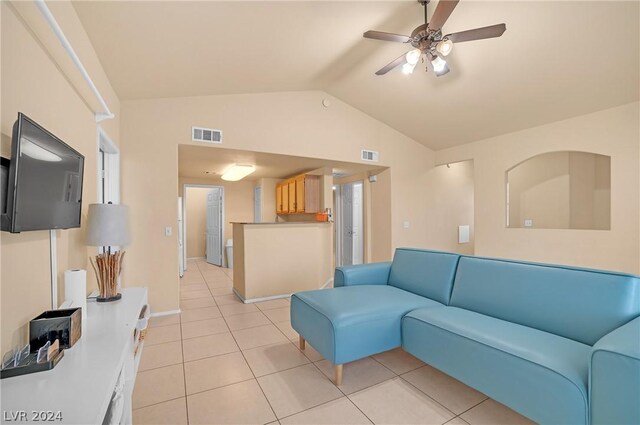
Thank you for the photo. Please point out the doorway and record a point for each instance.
(202, 219)
(349, 223)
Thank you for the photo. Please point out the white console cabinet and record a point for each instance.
(95, 377)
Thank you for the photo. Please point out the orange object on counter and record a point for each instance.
(322, 216)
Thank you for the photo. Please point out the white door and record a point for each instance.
(181, 262)
(357, 225)
(352, 226)
(347, 225)
(214, 226)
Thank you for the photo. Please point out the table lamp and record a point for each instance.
(108, 226)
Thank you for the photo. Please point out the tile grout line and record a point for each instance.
(314, 363)
(250, 369)
(433, 399)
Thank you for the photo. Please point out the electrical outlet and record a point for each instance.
(405, 225)
(168, 231)
(528, 223)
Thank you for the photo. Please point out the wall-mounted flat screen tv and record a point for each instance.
(44, 188)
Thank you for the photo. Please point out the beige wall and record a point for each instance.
(36, 80)
(268, 200)
(614, 132)
(238, 206)
(293, 123)
(452, 196)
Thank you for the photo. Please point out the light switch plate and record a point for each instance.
(463, 233)
(168, 231)
(528, 223)
(405, 225)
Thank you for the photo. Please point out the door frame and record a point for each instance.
(108, 173)
(108, 169)
(185, 186)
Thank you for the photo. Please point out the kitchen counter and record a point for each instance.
(272, 260)
(281, 223)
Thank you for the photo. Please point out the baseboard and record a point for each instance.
(195, 258)
(257, 300)
(166, 313)
(274, 297)
(326, 284)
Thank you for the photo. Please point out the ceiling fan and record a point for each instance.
(427, 39)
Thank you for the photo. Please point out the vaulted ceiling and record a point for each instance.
(556, 60)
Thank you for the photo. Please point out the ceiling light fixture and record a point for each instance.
(237, 172)
(445, 47)
(407, 68)
(439, 65)
(413, 56)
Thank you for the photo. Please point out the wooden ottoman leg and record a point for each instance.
(338, 374)
(303, 343)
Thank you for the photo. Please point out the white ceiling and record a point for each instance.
(556, 60)
(193, 161)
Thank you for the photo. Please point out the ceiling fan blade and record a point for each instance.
(386, 36)
(478, 33)
(388, 67)
(442, 13)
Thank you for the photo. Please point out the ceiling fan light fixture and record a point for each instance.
(413, 56)
(408, 68)
(439, 65)
(445, 47)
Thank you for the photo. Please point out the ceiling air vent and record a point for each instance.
(369, 155)
(199, 134)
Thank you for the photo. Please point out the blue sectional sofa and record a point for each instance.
(560, 345)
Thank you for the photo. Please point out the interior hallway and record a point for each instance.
(222, 361)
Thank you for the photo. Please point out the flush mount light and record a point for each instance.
(445, 47)
(237, 172)
(439, 65)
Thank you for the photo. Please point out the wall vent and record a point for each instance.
(366, 155)
(200, 134)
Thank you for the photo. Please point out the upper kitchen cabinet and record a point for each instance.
(298, 195)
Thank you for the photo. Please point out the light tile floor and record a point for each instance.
(224, 362)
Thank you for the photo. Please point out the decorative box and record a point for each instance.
(64, 324)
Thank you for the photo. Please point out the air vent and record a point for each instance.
(199, 134)
(369, 156)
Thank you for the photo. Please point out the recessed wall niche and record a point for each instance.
(560, 190)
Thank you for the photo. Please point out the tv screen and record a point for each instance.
(45, 180)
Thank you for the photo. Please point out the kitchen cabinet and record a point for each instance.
(298, 195)
(282, 198)
(291, 184)
(279, 205)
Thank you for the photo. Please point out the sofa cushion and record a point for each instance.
(583, 305)
(352, 322)
(426, 273)
(541, 375)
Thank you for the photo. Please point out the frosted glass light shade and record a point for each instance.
(108, 225)
(238, 172)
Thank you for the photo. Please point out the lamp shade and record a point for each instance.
(108, 225)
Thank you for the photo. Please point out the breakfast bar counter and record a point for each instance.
(272, 260)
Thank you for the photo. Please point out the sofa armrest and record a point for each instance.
(363, 274)
(614, 376)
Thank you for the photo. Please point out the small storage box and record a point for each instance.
(65, 325)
